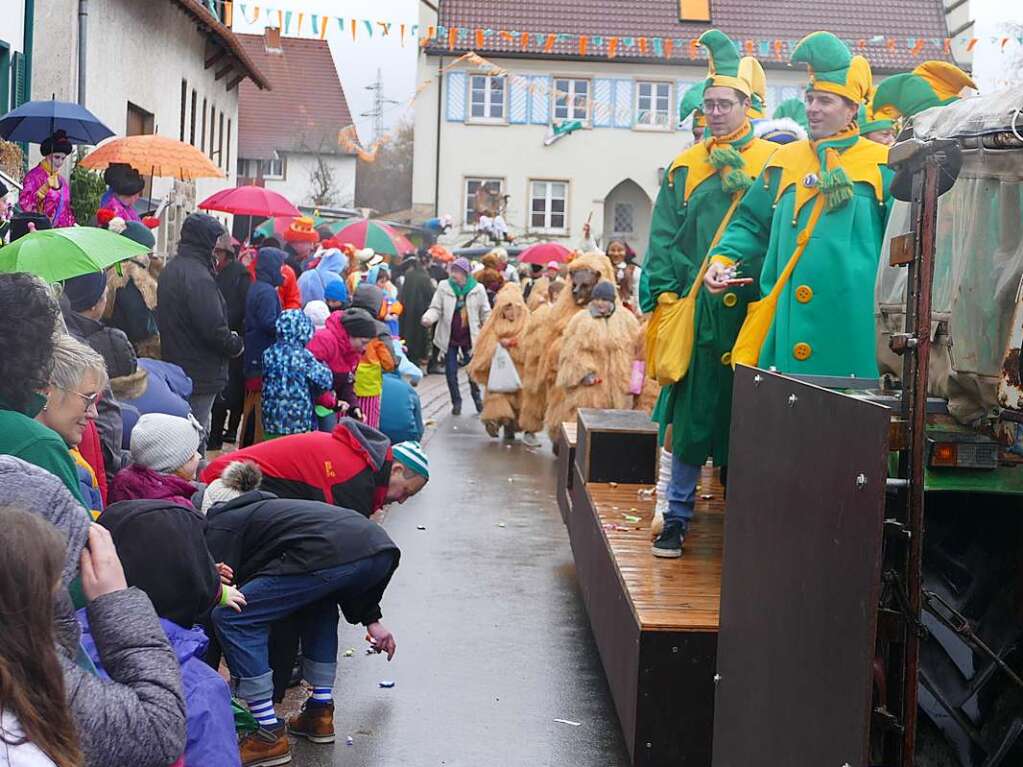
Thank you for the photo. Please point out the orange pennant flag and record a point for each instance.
(228, 14)
(255, 14)
(479, 39)
(548, 45)
(402, 35)
(354, 27)
(750, 48)
(861, 44)
(507, 36)
(280, 20)
(948, 45)
(669, 46)
(323, 27)
(1004, 41)
(524, 40)
(971, 44)
(918, 47)
(298, 29)
(452, 37)
(779, 46)
(584, 41)
(642, 45)
(612, 47)
(890, 43)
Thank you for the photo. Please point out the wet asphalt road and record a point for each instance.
(493, 640)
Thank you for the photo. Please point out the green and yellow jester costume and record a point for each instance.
(824, 323)
(697, 192)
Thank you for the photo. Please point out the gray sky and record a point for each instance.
(357, 62)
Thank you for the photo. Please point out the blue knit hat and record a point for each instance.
(336, 290)
(84, 291)
(412, 456)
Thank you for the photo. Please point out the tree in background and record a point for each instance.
(383, 179)
(323, 185)
(87, 188)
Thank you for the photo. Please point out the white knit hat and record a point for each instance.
(317, 312)
(164, 442)
(238, 478)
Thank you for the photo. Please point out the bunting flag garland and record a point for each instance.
(610, 45)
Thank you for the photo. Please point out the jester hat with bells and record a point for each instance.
(932, 84)
(726, 69)
(872, 119)
(833, 69)
(692, 104)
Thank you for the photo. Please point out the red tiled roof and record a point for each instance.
(742, 20)
(306, 108)
(224, 37)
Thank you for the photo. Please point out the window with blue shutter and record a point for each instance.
(540, 99)
(518, 99)
(603, 103)
(456, 97)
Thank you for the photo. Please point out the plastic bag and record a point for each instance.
(504, 378)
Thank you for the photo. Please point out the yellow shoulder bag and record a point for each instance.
(760, 314)
(671, 334)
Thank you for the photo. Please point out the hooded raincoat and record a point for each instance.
(292, 377)
(262, 308)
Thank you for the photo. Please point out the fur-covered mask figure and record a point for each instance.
(583, 282)
(602, 300)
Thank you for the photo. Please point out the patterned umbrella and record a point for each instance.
(363, 233)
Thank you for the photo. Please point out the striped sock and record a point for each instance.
(263, 712)
(322, 695)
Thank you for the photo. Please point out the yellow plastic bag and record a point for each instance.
(671, 334)
(760, 314)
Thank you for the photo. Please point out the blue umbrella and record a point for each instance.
(35, 121)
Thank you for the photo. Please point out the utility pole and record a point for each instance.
(377, 112)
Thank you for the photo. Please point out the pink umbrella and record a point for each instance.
(544, 252)
(250, 201)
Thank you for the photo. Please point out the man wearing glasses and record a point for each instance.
(698, 196)
(814, 222)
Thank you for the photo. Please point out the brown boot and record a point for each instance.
(265, 747)
(315, 723)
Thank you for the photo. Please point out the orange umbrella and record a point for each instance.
(441, 253)
(154, 156)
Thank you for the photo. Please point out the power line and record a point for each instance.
(379, 101)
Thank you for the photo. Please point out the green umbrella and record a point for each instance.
(60, 254)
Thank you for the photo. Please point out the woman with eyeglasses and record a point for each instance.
(28, 318)
(76, 382)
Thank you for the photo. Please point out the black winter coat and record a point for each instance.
(260, 534)
(191, 312)
(234, 281)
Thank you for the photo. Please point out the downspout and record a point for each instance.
(26, 46)
(83, 25)
(436, 162)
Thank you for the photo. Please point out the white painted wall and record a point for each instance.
(297, 186)
(138, 51)
(12, 24)
(594, 161)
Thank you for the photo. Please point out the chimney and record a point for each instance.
(272, 40)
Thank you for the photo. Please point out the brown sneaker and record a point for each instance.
(315, 723)
(265, 747)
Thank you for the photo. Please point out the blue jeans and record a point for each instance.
(326, 422)
(681, 492)
(451, 373)
(313, 598)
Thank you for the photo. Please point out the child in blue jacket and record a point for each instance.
(292, 378)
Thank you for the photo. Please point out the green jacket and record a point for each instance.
(27, 439)
(824, 324)
(690, 206)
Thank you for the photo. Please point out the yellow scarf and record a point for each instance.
(52, 179)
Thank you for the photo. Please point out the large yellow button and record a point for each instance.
(730, 300)
(804, 293)
(802, 351)
(726, 358)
